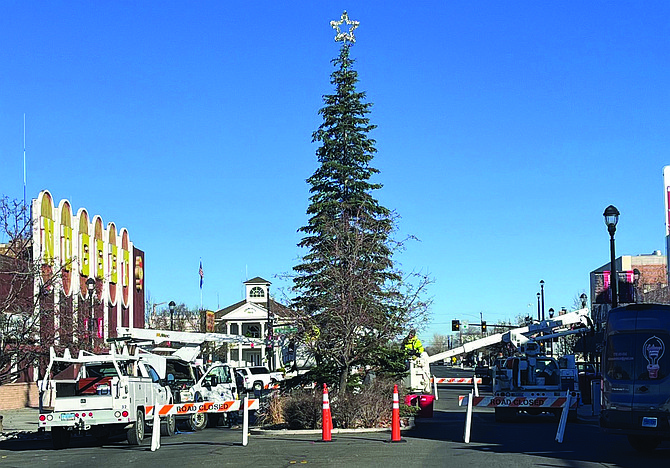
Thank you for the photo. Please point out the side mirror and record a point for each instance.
(170, 378)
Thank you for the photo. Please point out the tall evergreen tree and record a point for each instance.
(346, 285)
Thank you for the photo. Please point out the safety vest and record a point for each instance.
(414, 344)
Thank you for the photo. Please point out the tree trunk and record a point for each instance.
(343, 381)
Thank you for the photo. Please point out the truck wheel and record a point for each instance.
(643, 443)
(169, 425)
(136, 433)
(198, 421)
(258, 386)
(60, 437)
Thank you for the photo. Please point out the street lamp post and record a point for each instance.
(539, 318)
(171, 305)
(611, 215)
(90, 286)
(542, 296)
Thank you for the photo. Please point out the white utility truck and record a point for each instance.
(189, 381)
(102, 395)
(531, 377)
(418, 379)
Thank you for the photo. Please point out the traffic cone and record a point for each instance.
(326, 420)
(395, 423)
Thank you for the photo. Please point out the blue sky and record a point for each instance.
(504, 130)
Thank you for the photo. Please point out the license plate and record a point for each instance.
(649, 422)
(67, 417)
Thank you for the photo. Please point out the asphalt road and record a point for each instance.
(435, 442)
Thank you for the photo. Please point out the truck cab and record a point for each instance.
(636, 375)
(216, 384)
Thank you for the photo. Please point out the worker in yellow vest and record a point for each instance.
(413, 344)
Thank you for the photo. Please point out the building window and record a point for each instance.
(256, 291)
(252, 331)
(233, 329)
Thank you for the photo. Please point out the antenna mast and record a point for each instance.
(25, 208)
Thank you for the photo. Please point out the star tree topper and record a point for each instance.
(345, 36)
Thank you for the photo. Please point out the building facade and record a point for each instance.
(641, 278)
(92, 275)
(257, 316)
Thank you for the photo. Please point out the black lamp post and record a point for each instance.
(539, 317)
(542, 296)
(172, 305)
(611, 215)
(90, 286)
(551, 341)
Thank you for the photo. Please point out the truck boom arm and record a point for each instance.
(554, 327)
(159, 336)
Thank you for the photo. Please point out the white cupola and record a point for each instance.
(257, 290)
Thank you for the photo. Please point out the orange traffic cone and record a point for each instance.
(326, 420)
(395, 423)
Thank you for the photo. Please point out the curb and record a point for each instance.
(362, 430)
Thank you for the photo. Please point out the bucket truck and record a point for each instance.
(523, 339)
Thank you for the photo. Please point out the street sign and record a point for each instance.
(284, 329)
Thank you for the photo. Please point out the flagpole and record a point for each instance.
(25, 215)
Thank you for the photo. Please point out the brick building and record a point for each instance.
(642, 278)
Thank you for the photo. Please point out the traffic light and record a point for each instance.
(483, 326)
(455, 325)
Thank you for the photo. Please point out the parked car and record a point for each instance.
(257, 377)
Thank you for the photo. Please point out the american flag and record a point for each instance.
(201, 274)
